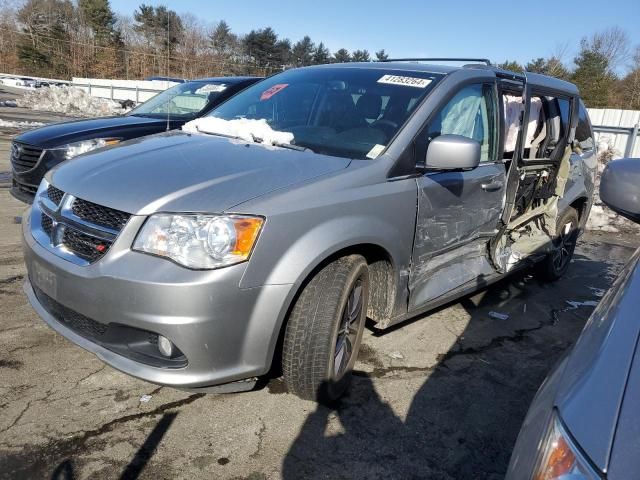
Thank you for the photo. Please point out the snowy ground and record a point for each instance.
(601, 217)
(19, 124)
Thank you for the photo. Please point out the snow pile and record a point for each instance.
(250, 130)
(21, 125)
(602, 218)
(69, 100)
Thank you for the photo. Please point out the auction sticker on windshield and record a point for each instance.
(270, 92)
(406, 81)
(214, 87)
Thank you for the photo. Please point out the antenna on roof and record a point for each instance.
(168, 60)
(439, 59)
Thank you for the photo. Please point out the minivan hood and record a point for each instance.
(179, 172)
(58, 134)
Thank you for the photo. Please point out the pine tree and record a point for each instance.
(321, 54)
(381, 55)
(552, 66)
(511, 65)
(342, 56)
(283, 51)
(302, 52)
(100, 18)
(260, 45)
(360, 56)
(593, 75)
(222, 40)
(45, 47)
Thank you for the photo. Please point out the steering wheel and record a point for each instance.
(387, 126)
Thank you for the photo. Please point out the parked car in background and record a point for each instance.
(167, 79)
(35, 152)
(24, 82)
(583, 423)
(270, 229)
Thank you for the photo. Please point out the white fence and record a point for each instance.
(618, 128)
(136, 90)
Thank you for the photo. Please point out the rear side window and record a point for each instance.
(547, 128)
(584, 135)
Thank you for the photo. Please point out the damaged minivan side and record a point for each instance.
(261, 237)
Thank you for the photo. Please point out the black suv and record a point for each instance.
(35, 152)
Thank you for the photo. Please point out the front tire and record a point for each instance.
(324, 330)
(556, 264)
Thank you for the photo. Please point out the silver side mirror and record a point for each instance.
(620, 187)
(452, 152)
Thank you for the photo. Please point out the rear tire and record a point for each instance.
(556, 264)
(324, 330)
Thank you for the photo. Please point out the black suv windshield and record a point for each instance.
(184, 101)
(344, 111)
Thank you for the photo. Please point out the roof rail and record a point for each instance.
(441, 59)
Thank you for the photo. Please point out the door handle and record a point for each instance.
(492, 187)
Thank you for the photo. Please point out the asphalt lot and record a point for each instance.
(441, 397)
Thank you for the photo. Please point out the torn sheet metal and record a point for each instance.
(532, 232)
(457, 214)
(438, 275)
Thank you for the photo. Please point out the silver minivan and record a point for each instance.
(263, 235)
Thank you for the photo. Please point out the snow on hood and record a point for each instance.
(250, 130)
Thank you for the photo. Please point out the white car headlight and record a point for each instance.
(77, 148)
(199, 241)
(560, 459)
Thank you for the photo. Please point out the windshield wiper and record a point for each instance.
(298, 148)
(233, 137)
(291, 146)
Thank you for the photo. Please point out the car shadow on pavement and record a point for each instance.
(464, 419)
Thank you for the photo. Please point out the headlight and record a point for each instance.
(199, 241)
(77, 148)
(560, 459)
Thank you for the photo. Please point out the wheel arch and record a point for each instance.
(581, 205)
(383, 287)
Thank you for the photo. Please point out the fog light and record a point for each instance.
(165, 346)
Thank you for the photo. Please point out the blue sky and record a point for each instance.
(498, 30)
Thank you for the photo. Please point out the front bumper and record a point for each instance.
(226, 333)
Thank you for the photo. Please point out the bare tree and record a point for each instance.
(613, 43)
(630, 85)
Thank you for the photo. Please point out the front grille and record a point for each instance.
(24, 157)
(70, 318)
(47, 223)
(88, 240)
(103, 216)
(55, 194)
(24, 188)
(84, 246)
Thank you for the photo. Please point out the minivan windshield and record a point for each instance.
(184, 101)
(349, 112)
